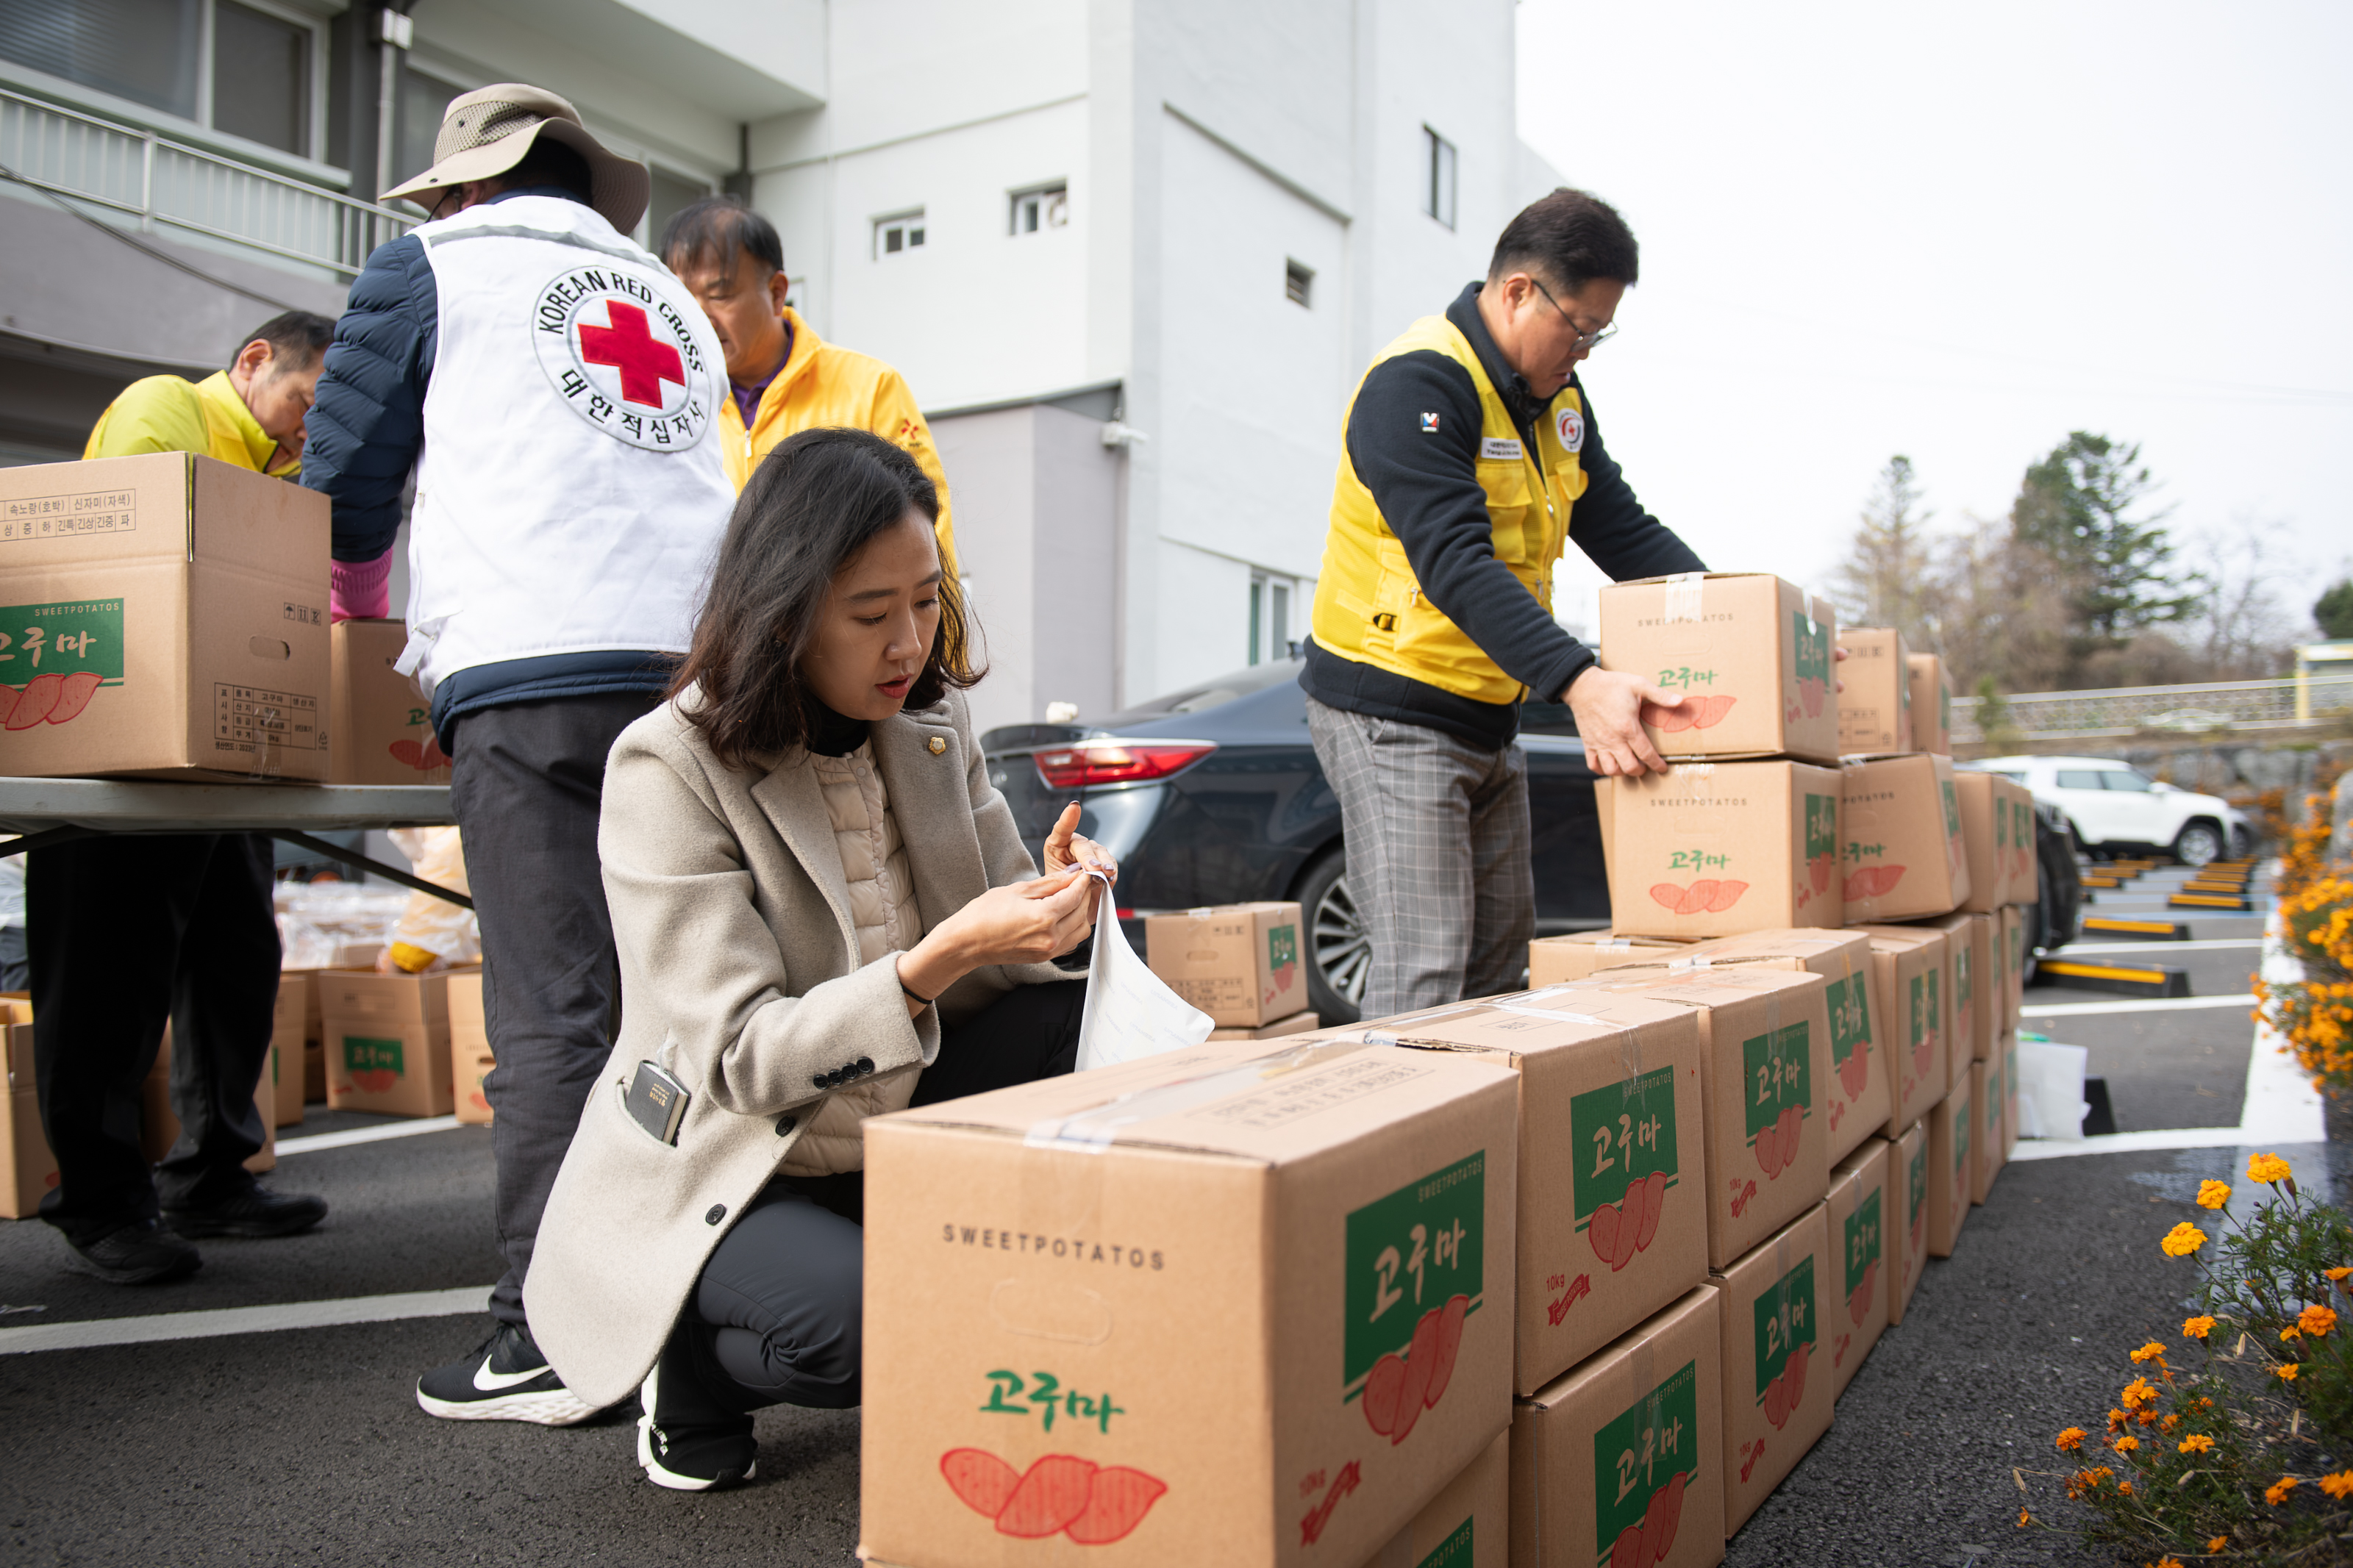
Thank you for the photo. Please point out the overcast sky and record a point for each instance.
(1959, 232)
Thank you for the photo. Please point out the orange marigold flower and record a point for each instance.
(2126, 1445)
(2339, 1275)
(2195, 1442)
(2288, 1333)
(2024, 1518)
(2070, 1440)
(2138, 1393)
(2276, 1493)
(2198, 1328)
(2118, 1420)
(2316, 1320)
(2169, 1424)
(2125, 1488)
(2268, 1168)
(2182, 1240)
(2217, 1544)
(2213, 1194)
(2148, 1418)
(2339, 1486)
(2153, 1350)
(2168, 1562)
(2286, 1371)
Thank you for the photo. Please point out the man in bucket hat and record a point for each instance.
(554, 389)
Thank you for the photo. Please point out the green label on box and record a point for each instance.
(1282, 947)
(1952, 810)
(1812, 641)
(1621, 1135)
(1993, 1099)
(362, 1054)
(1784, 1313)
(1777, 1065)
(1965, 983)
(1961, 1123)
(1926, 1016)
(1409, 1254)
(1918, 1190)
(2000, 826)
(1654, 1440)
(1454, 1551)
(69, 637)
(1861, 1242)
(1849, 1008)
(1822, 827)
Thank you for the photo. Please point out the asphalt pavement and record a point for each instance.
(304, 1445)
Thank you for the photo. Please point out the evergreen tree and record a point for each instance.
(2334, 610)
(2083, 506)
(1887, 564)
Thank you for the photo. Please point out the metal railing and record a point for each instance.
(164, 182)
(2177, 710)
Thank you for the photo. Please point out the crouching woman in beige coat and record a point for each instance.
(823, 913)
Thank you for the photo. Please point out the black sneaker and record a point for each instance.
(141, 1252)
(506, 1379)
(256, 1212)
(685, 1441)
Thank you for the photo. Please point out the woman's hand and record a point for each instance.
(1022, 923)
(1065, 848)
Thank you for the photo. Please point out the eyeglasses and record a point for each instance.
(1585, 340)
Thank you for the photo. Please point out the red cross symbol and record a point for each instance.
(628, 347)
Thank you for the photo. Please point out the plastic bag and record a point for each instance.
(2051, 1102)
(1131, 1014)
(433, 933)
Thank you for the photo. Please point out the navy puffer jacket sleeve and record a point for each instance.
(368, 422)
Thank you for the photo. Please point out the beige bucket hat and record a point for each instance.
(485, 132)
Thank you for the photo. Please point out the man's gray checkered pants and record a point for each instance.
(1437, 856)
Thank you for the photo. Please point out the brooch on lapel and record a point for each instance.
(938, 743)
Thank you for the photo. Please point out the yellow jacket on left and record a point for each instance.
(168, 414)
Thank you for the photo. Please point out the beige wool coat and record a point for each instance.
(739, 975)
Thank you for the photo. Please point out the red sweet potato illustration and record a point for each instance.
(8, 694)
(1654, 1200)
(1855, 1073)
(1792, 1123)
(1769, 1149)
(1630, 1551)
(1794, 1373)
(479, 1102)
(1051, 1495)
(1712, 710)
(1669, 720)
(376, 1080)
(1814, 692)
(1661, 1518)
(1776, 1401)
(1820, 870)
(1858, 1305)
(423, 756)
(1700, 897)
(1607, 1220)
(1726, 894)
(33, 703)
(75, 695)
(1383, 1387)
(1873, 882)
(1668, 897)
(1450, 1345)
(1420, 1362)
(980, 1479)
(1115, 1504)
(1629, 1226)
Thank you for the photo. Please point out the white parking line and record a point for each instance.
(2146, 1004)
(2088, 948)
(243, 1320)
(350, 1136)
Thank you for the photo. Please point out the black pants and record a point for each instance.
(125, 932)
(526, 782)
(775, 1318)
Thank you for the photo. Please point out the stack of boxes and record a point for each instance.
(1244, 965)
(27, 1168)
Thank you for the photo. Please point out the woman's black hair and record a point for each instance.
(815, 502)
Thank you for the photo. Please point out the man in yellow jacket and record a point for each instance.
(783, 376)
(125, 932)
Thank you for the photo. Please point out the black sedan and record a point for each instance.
(1213, 796)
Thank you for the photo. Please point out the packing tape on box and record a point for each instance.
(1684, 589)
(1098, 1129)
(1610, 944)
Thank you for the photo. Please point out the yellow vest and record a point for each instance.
(166, 414)
(1368, 606)
(821, 385)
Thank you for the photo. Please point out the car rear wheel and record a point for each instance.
(1337, 942)
(2199, 843)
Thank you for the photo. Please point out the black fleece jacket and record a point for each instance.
(1426, 483)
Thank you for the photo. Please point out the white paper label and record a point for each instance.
(1499, 448)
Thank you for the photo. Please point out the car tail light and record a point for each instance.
(1118, 761)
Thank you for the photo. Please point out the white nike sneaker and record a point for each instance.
(506, 1379)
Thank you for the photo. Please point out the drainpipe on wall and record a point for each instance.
(395, 30)
(739, 183)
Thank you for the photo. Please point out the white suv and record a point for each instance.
(2111, 806)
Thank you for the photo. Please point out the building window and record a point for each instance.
(424, 100)
(1045, 207)
(899, 231)
(244, 70)
(1270, 618)
(1299, 283)
(1438, 176)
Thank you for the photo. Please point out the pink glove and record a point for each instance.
(357, 589)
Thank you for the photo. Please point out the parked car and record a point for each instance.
(2114, 808)
(2058, 913)
(1212, 795)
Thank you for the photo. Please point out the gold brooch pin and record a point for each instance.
(938, 743)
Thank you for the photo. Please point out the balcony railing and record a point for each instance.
(162, 182)
(2178, 710)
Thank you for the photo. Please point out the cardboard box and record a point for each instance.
(1951, 1145)
(18, 1040)
(1258, 1293)
(1751, 654)
(1932, 704)
(1777, 1399)
(1857, 1088)
(1900, 839)
(27, 1169)
(1907, 1181)
(1718, 848)
(1612, 1210)
(1766, 1035)
(1908, 978)
(1297, 1024)
(2008, 1095)
(1874, 707)
(159, 1124)
(1622, 1460)
(314, 1073)
(1990, 1092)
(2025, 883)
(168, 618)
(470, 1059)
(1467, 1525)
(288, 1041)
(1976, 1008)
(1985, 838)
(1556, 959)
(1238, 963)
(1860, 1204)
(388, 1046)
(383, 734)
(2022, 924)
